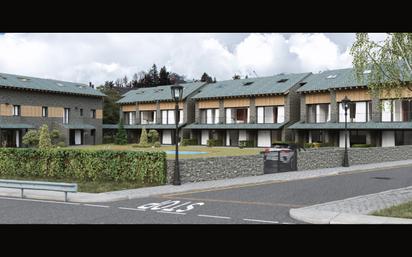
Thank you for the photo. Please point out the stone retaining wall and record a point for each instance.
(329, 157)
(213, 168)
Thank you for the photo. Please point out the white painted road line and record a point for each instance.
(168, 212)
(212, 216)
(264, 221)
(130, 209)
(35, 200)
(95, 205)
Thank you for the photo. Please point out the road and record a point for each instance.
(267, 203)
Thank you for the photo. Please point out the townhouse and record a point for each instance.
(153, 108)
(377, 120)
(255, 110)
(27, 103)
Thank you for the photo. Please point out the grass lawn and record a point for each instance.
(398, 211)
(90, 186)
(211, 151)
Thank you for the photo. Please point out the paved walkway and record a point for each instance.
(168, 189)
(356, 210)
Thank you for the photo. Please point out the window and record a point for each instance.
(403, 137)
(66, 115)
(270, 114)
(93, 113)
(148, 117)
(318, 113)
(396, 110)
(362, 112)
(358, 137)
(168, 116)
(45, 111)
(317, 136)
(280, 114)
(129, 118)
(16, 110)
(240, 115)
(81, 112)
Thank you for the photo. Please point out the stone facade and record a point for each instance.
(333, 157)
(213, 168)
(74, 102)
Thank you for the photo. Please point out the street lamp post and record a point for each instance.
(346, 102)
(177, 92)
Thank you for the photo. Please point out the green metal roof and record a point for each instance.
(353, 125)
(236, 126)
(50, 85)
(251, 86)
(147, 126)
(79, 126)
(15, 126)
(159, 93)
(331, 79)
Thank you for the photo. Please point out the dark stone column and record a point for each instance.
(222, 113)
(252, 109)
(334, 108)
(158, 113)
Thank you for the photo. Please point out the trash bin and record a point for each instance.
(279, 160)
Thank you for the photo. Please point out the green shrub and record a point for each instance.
(188, 141)
(121, 136)
(361, 145)
(143, 137)
(157, 144)
(214, 142)
(246, 143)
(107, 139)
(153, 136)
(44, 137)
(31, 138)
(61, 144)
(84, 165)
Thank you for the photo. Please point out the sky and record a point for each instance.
(97, 57)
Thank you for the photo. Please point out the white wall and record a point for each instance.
(388, 138)
(205, 137)
(242, 135)
(263, 138)
(281, 114)
(167, 137)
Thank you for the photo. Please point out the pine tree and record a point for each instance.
(154, 75)
(44, 137)
(206, 78)
(144, 141)
(121, 137)
(164, 76)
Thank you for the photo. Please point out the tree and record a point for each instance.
(153, 136)
(385, 66)
(144, 142)
(44, 137)
(164, 76)
(125, 81)
(121, 137)
(31, 138)
(206, 78)
(154, 75)
(110, 107)
(236, 77)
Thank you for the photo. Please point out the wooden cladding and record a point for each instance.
(6, 110)
(147, 107)
(31, 111)
(170, 105)
(353, 95)
(318, 98)
(405, 93)
(55, 112)
(208, 104)
(99, 114)
(129, 108)
(237, 102)
(270, 100)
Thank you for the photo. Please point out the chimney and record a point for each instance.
(91, 85)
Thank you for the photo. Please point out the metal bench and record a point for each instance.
(39, 185)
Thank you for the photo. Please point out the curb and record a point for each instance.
(327, 217)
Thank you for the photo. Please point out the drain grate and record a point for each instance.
(384, 178)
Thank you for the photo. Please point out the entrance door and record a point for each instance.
(263, 138)
(77, 137)
(167, 137)
(205, 137)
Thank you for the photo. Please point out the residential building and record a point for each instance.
(27, 103)
(153, 108)
(377, 120)
(257, 110)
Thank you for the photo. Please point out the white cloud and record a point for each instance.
(100, 57)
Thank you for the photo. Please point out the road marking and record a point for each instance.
(168, 212)
(95, 205)
(212, 216)
(35, 200)
(240, 202)
(130, 209)
(264, 221)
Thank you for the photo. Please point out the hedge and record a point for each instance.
(84, 165)
(188, 141)
(214, 142)
(246, 143)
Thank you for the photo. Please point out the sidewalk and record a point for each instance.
(355, 210)
(170, 189)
